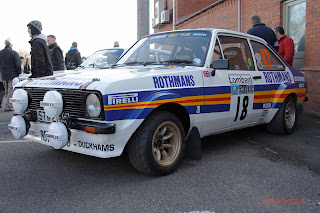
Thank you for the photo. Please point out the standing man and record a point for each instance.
(27, 68)
(40, 56)
(73, 57)
(286, 45)
(22, 67)
(261, 30)
(56, 53)
(10, 67)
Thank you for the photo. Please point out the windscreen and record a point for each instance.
(103, 58)
(189, 48)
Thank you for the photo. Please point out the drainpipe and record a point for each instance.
(174, 15)
(142, 18)
(239, 15)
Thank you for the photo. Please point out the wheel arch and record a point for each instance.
(177, 110)
(273, 111)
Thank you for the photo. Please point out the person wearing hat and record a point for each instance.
(73, 57)
(40, 54)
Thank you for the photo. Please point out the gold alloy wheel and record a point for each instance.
(290, 114)
(166, 144)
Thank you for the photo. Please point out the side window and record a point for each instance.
(266, 60)
(237, 51)
(216, 53)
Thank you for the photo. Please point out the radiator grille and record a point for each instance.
(73, 100)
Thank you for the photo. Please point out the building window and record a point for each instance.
(295, 27)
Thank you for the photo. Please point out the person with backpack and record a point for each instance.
(73, 57)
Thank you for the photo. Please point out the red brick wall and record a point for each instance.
(269, 11)
(312, 55)
(223, 15)
(186, 7)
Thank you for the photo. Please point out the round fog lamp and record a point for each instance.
(93, 105)
(18, 126)
(19, 100)
(57, 135)
(52, 104)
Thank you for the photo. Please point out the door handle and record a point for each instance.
(256, 77)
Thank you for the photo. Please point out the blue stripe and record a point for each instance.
(217, 90)
(215, 108)
(266, 87)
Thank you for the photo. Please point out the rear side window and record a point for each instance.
(266, 60)
(237, 51)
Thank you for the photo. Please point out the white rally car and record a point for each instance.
(200, 83)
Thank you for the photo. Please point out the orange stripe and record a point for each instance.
(86, 84)
(270, 96)
(218, 99)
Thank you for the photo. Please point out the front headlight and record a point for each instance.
(93, 106)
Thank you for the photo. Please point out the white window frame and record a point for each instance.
(298, 60)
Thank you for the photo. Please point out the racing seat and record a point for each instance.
(235, 57)
(184, 54)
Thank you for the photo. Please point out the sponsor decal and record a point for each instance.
(241, 89)
(240, 79)
(173, 81)
(299, 78)
(266, 105)
(33, 133)
(113, 51)
(123, 98)
(63, 81)
(206, 74)
(185, 34)
(96, 147)
(241, 84)
(277, 77)
(43, 136)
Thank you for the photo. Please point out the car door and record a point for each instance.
(229, 94)
(275, 77)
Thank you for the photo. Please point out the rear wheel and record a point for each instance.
(284, 122)
(157, 146)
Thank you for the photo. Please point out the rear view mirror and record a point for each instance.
(220, 64)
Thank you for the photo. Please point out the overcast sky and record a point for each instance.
(94, 24)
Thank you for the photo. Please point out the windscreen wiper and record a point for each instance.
(126, 64)
(178, 61)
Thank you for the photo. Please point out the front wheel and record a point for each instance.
(157, 146)
(285, 120)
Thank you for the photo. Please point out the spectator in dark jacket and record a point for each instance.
(261, 30)
(73, 57)
(56, 53)
(40, 55)
(10, 67)
(27, 68)
(286, 45)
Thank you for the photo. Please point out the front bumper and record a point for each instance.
(93, 127)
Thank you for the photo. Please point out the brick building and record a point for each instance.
(299, 18)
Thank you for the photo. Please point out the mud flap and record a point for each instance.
(193, 145)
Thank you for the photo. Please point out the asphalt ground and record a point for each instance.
(247, 170)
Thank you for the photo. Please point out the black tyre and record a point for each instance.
(158, 144)
(285, 120)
